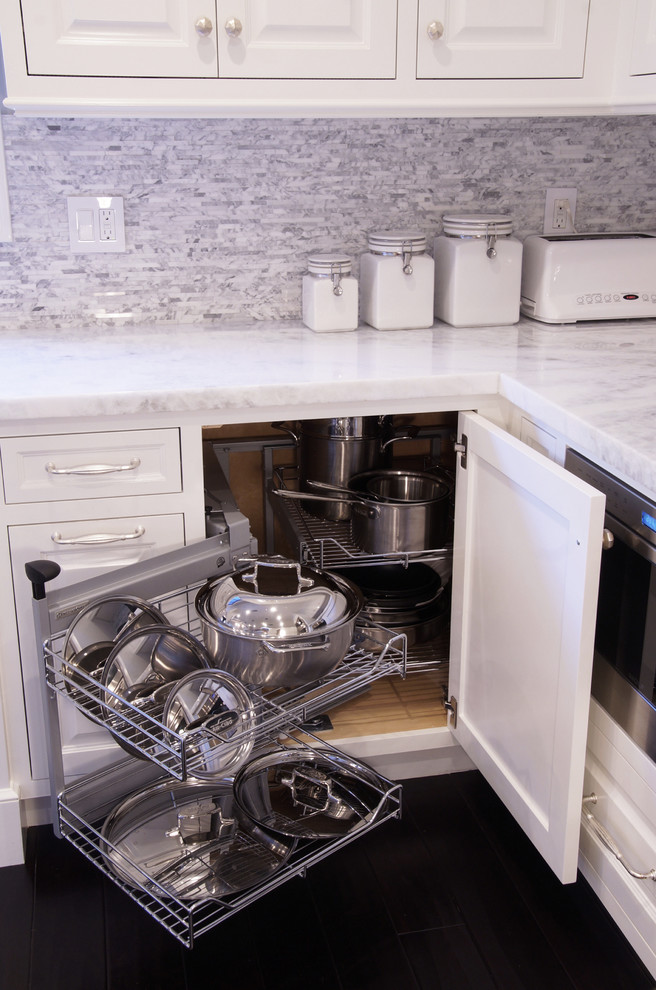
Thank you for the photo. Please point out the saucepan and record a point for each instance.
(391, 511)
(333, 450)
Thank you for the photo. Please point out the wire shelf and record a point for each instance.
(139, 726)
(325, 543)
(84, 806)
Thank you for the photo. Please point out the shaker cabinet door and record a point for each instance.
(508, 39)
(643, 51)
(527, 549)
(161, 38)
(294, 39)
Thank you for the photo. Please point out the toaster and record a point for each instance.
(605, 276)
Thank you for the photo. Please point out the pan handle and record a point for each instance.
(306, 496)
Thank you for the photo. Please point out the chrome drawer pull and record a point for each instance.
(94, 468)
(607, 839)
(94, 538)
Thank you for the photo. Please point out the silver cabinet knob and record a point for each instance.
(435, 30)
(607, 539)
(233, 27)
(203, 26)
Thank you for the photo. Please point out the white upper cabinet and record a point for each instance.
(294, 39)
(507, 39)
(117, 38)
(401, 58)
(526, 555)
(643, 46)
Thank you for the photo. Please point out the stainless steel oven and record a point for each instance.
(624, 673)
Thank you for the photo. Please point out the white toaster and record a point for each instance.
(606, 276)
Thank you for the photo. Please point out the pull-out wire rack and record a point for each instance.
(158, 754)
(141, 729)
(84, 806)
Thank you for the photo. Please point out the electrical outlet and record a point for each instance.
(95, 224)
(560, 211)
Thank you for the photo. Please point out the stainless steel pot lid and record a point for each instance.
(214, 711)
(146, 659)
(95, 631)
(190, 841)
(308, 793)
(277, 599)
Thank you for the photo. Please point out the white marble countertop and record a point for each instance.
(593, 383)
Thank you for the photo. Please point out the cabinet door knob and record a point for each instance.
(233, 27)
(203, 26)
(435, 30)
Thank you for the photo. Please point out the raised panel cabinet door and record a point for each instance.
(504, 39)
(83, 549)
(162, 38)
(527, 549)
(294, 39)
(643, 50)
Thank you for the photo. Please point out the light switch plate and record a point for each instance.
(95, 224)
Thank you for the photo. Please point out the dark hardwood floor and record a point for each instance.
(452, 897)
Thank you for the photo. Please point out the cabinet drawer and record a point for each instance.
(90, 465)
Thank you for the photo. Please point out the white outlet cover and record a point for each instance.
(560, 192)
(84, 224)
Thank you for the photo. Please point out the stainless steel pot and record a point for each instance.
(333, 450)
(412, 516)
(278, 624)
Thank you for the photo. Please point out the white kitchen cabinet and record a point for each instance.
(517, 39)
(119, 38)
(91, 502)
(277, 39)
(288, 58)
(291, 39)
(643, 42)
(83, 548)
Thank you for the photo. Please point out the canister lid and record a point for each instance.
(397, 242)
(329, 264)
(477, 224)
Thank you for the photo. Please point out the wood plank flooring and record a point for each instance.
(451, 897)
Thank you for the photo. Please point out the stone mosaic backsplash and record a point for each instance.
(220, 215)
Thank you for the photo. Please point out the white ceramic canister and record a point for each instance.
(330, 294)
(396, 282)
(478, 270)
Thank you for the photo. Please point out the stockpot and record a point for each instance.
(333, 450)
(278, 623)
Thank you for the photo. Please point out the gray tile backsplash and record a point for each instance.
(221, 214)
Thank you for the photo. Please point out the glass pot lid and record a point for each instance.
(309, 793)
(188, 840)
(214, 712)
(278, 599)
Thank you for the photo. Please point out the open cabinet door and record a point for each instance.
(527, 550)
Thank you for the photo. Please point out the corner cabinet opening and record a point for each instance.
(525, 569)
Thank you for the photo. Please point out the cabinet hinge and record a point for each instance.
(461, 448)
(451, 706)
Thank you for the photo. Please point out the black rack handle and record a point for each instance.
(39, 572)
